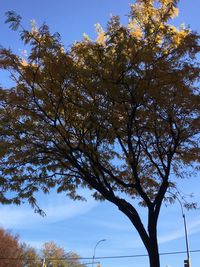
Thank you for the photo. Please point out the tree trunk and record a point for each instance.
(154, 259)
(149, 237)
(153, 251)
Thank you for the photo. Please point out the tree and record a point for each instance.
(56, 256)
(12, 253)
(30, 257)
(10, 250)
(118, 115)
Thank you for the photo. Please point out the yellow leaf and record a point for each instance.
(24, 63)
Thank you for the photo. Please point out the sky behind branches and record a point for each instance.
(78, 226)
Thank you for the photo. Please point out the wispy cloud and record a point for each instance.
(56, 207)
(193, 228)
(120, 226)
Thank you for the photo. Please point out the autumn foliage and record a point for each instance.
(15, 254)
(118, 114)
(10, 250)
(56, 256)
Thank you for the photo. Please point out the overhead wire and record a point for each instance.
(107, 257)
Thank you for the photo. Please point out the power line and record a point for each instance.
(145, 255)
(88, 263)
(107, 257)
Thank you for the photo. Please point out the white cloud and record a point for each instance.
(56, 207)
(169, 237)
(118, 225)
(193, 228)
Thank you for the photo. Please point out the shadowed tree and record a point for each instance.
(118, 115)
(10, 250)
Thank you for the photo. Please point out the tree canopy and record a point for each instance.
(13, 253)
(56, 256)
(10, 249)
(29, 256)
(119, 114)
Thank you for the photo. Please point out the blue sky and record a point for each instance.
(77, 226)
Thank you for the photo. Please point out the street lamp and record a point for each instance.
(102, 240)
(186, 262)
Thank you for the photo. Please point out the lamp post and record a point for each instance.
(186, 262)
(102, 240)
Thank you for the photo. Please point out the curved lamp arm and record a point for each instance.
(102, 240)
